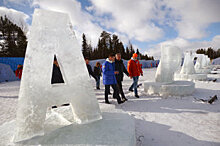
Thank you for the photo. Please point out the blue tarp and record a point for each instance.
(12, 61)
(15, 61)
(145, 63)
(216, 61)
(6, 73)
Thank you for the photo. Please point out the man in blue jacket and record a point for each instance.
(108, 69)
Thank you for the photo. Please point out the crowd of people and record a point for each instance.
(113, 71)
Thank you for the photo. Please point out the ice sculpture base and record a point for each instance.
(203, 71)
(113, 129)
(176, 88)
(190, 77)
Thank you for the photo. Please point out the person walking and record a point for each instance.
(98, 74)
(18, 71)
(56, 75)
(109, 79)
(91, 73)
(134, 69)
(119, 66)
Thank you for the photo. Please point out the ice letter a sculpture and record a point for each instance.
(165, 85)
(51, 34)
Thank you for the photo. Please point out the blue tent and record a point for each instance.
(6, 73)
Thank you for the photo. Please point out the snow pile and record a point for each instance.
(6, 73)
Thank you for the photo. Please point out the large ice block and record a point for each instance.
(188, 71)
(176, 88)
(188, 66)
(51, 34)
(202, 64)
(202, 61)
(115, 129)
(170, 61)
(198, 64)
(165, 85)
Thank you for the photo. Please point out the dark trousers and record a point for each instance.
(97, 81)
(119, 84)
(115, 94)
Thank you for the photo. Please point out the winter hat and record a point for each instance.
(135, 55)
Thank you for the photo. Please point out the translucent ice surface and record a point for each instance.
(202, 61)
(51, 34)
(170, 61)
(188, 66)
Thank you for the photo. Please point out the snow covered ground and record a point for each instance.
(170, 121)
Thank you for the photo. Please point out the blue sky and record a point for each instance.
(148, 24)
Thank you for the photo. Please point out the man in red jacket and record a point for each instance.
(18, 71)
(134, 69)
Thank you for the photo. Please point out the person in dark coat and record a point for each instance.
(119, 66)
(98, 74)
(57, 75)
(109, 78)
(91, 73)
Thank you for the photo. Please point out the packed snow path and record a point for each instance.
(171, 121)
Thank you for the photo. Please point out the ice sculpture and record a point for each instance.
(188, 71)
(170, 60)
(165, 85)
(51, 34)
(198, 64)
(202, 64)
(188, 66)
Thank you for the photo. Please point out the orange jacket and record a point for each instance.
(18, 73)
(134, 68)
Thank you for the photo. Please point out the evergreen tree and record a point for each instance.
(137, 51)
(108, 44)
(99, 49)
(212, 54)
(104, 44)
(115, 42)
(13, 41)
(90, 51)
(131, 49)
(121, 49)
(127, 54)
(85, 49)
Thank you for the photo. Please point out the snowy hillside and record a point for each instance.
(172, 121)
